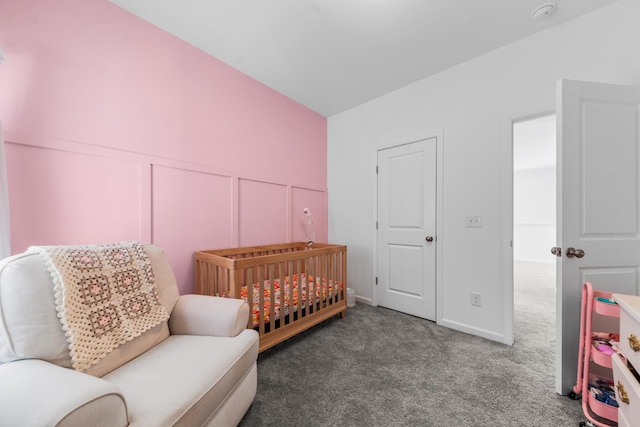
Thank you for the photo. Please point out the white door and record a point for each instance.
(406, 279)
(598, 191)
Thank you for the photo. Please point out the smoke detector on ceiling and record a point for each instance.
(543, 11)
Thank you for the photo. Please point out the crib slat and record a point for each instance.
(292, 301)
(316, 287)
(329, 276)
(248, 284)
(272, 299)
(308, 283)
(324, 279)
(279, 276)
(296, 272)
(324, 295)
(335, 286)
(261, 300)
(216, 279)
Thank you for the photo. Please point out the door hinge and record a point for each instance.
(376, 225)
(376, 169)
(376, 280)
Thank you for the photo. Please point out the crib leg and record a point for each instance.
(343, 314)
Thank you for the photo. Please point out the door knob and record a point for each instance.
(572, 252)
(556, 251)
(429, 239)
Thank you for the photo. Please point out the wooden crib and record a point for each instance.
(308, 284)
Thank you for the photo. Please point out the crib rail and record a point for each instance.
(280, 315)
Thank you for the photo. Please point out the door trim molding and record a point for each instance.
(439, 136)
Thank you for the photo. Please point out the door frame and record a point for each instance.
(507, 231)
(438, 135)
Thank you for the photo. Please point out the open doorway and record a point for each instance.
(534, 232)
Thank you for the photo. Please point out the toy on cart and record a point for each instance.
(598, 396)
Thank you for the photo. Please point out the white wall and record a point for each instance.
(534, 210)
(534, 189)
(473, 104)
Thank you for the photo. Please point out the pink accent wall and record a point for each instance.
(116, 130)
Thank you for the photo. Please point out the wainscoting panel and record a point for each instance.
(191, 210)
(263, 213)
(66, 197)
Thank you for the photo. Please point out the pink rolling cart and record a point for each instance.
(595, 350)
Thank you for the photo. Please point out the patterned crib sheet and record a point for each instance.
(300, 284)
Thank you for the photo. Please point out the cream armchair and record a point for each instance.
(197, 368)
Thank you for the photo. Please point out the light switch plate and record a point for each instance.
(473, 221)
(476, 299)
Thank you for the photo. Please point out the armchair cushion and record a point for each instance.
(42, 393)
(188, 376)
(27, 313)
(208, 315)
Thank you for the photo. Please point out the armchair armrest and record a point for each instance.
(209, 315)
(37, 393)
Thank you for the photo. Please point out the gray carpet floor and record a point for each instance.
(379, 367)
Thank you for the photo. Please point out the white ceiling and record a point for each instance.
(333, 55)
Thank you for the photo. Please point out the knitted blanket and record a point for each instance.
(105, 296)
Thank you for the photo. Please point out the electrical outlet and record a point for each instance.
(473, 221)
(475, 299)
